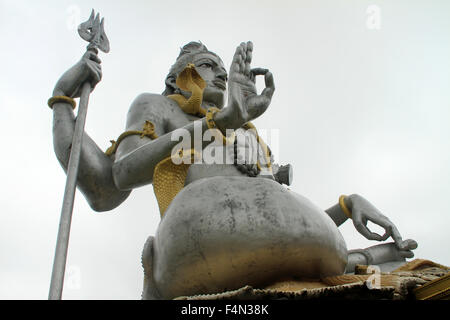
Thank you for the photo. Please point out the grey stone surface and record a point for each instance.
(224, 229)
(222, 233)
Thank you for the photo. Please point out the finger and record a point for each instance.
(235, 66)
(94, 73)
(364, 220)
(252, 77)
(397, 237)
(410, 244)
(362, 229)
(87, 54)
(391, 230)
(90, 55)
(97, 77)
(243, 55)
(237, 58)
(406, 253)
(359, 225)
(270, 85)
(248, 58)
(387, 229)
(247, 67)
(243, 46)
(94, 57)
(386, 235)
(259, 71)
(95, 66)
(250, 45)
(242, 66)
(93, 63)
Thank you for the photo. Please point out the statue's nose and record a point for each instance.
(222, 75)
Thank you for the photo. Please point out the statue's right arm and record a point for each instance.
(95, 179)
(136, 157)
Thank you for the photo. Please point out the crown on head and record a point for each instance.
(192, 48)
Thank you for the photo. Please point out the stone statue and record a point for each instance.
(228, 224)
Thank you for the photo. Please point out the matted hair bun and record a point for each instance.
(192, 48)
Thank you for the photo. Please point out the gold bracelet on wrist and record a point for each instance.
(65, 99)
(344, 208)
(212, 125)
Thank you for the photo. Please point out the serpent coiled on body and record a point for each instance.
(168, 177)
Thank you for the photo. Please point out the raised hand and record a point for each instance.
(87, 69)
(363, 211)
(244, 104)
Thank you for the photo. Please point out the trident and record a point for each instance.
(93, 32)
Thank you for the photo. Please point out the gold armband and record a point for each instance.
(65, 99)
(212, 125)
(344, 208)
(147, 131)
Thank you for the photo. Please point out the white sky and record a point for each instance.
(358, 110)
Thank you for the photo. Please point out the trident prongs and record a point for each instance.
(93, 32)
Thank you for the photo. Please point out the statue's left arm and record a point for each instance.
(361, 211)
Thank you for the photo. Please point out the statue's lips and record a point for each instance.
(220, 84)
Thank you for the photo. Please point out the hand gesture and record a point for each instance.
(363, 211)
(244, 104)
(87, 69)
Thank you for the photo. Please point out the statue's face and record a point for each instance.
(211, 69)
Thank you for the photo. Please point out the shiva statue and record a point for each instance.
(224, 224)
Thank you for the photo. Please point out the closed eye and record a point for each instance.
(205, 65)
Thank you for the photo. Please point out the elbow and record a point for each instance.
(126, 177)
(101, 204)
(104, 196)
(120, 174)
(99, 189)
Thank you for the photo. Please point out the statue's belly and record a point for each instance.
(222, 233)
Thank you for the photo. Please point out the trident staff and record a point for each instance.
(92, 31)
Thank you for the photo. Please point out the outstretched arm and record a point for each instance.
(137, 158)
(95, 178)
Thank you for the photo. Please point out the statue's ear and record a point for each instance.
(171, 85)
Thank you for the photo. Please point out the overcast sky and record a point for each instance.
(362, 106)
